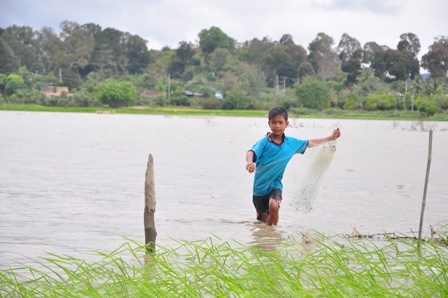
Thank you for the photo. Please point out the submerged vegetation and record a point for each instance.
(319, 267)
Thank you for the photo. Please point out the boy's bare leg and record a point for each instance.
(264, 217)
(273, 212)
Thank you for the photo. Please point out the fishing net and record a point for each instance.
(321, 158)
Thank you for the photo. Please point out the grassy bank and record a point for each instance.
(324, 267)
(182, 111)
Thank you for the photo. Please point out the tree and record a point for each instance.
(370, 49)
(297, 53)
(102, 59)
(278, 63)
(322, 56)
(348, 47)
(110, 52)
(374, 56)
(436, 60)
(23, 42)
(185, 51)
(367, 74)
(137, 54)
(47, 39)
(417, 84)
(72, 51)
(176, 68)
(214, 38)
(314, 95)
(351, 55)
(398, 64)
(286, 39)
(352, 66)
(257, 49)
(116, 94)
(14, 83)
(218, 59)
(305, 69)
(8, 61)
(410, 43)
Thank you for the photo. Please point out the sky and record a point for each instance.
(168, 22)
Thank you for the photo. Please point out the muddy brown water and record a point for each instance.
(73, 183)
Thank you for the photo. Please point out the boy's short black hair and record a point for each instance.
(277, 111)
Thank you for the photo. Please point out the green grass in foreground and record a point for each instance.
(184, 111)
(329, 267)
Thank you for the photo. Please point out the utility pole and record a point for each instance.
(169, 89)
(60, 76)
(405, 93)
(284, 86)
(276, 78)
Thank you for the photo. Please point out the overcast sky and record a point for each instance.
(168, 22)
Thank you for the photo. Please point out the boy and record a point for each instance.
(270, 155)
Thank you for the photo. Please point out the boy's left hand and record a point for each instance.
(336, 133)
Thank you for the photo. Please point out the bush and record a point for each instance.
(211, 103)
(236, 99)
(302, 111)
(351, 102)
(14, 83)
(387, 101)
(314, 95)
(180, 101)
(378, 101)
(116, 94)
(426, 106)
(371, 102)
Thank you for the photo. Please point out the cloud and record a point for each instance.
(168, 22)
(391, 7)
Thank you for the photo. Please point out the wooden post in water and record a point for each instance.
(150, 207)
(426, 186)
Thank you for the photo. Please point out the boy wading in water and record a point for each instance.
(269, 157)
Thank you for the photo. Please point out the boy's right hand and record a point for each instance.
(250, 167)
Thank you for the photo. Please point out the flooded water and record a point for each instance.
(74, 183)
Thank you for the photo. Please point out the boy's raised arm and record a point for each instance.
(314, 142)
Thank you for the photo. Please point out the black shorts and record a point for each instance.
(261, 203)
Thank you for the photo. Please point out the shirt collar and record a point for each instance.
(268, 135)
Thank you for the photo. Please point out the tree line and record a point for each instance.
(115, 68)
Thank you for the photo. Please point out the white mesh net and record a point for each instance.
(321, 158)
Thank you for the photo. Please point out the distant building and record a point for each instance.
(151, 93)
(219, 95)
(55, 91)
(193, 94)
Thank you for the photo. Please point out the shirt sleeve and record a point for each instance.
(258, 148)
(299, 145)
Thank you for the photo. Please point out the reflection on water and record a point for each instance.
(73, 183)
(266, 237)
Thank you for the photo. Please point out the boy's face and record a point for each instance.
(278, 124)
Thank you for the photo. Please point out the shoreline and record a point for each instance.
(183, 111)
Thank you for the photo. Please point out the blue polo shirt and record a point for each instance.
(271, 160)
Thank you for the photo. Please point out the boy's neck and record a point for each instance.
(275, 138)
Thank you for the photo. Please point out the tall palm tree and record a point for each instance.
(367, 74)
(417, 85)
